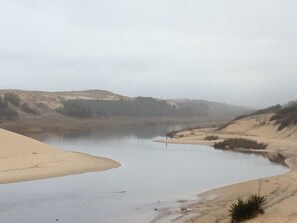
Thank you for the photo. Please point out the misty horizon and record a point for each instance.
(149, 96)
(235, 52)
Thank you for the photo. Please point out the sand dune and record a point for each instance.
(23, 158)
(280, 191)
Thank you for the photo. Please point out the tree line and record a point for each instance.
(139, 106)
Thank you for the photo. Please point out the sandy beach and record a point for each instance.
(280, 191)
(23, 159)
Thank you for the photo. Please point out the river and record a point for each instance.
(153, 175)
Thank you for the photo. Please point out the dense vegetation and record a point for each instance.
(27, 109)
(6, 112)
(10, 104)
(110, 106)
(286, 116)
(211, 138)
(147, 106)
(243, 210)
(239, 143)
(192, 108)
(137, 107)
(11, 98)
(140, 106)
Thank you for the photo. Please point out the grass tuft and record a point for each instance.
(243, 210)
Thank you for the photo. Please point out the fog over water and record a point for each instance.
(238, 52)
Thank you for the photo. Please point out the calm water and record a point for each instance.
(151, 176)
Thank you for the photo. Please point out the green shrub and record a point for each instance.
(243, 210)
(286, 117)
(211, 137)
(239, 211)
(237, 143)
(256, 202)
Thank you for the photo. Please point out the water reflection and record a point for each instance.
(110, 133)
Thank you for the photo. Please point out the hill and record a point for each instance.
(270, 132)
(281, 116)
(207, 108)
(38, 102)
(56, 110)
(275, 127)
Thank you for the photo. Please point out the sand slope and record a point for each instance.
(280, 191)
(23, 158)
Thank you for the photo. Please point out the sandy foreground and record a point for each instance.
(280, 191)
(23, 159)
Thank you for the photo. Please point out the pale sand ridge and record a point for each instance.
(280, 191)
(23, 158)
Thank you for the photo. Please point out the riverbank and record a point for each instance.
(280, 191)
(24, 159)
(59, 124)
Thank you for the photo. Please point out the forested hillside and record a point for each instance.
(35, 111)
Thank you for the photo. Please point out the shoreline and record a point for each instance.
(57, 124)
(25, 159)
(280, 191)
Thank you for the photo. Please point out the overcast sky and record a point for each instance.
(241, 52)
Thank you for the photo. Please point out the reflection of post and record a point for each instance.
(166, 134)
(166, 144)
